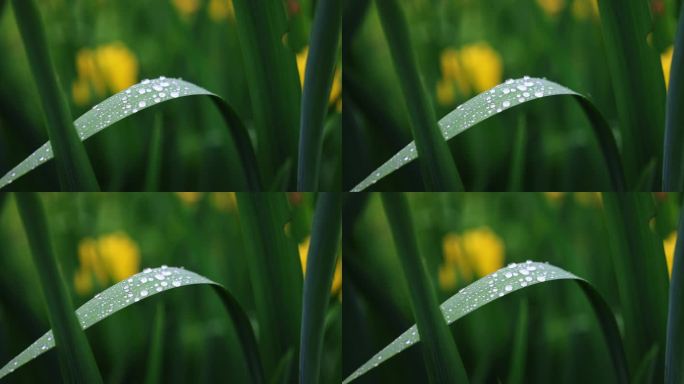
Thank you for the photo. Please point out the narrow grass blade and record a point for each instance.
(273, 80)
(320, 266)
(140, 287)
(275, 273)
(518, 162)
(673, 159)
(638, 83)
(152, 175)
(640, 272)
(440, 354)
(73, 166)
(498, 99)
(283, 370)
(320, 67)
(75, 356)
(516, 372)
(134, 99)
(674, 353)
(645, 373)
(501, 283)
(437, 166)
(155, 357)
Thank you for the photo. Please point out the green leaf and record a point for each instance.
(501, 283)
(437, 166)
(674, 353)
(153, 173)
(271, 73)
(640, 272)
(140, 287)
(320, 266)
(275, 273)
(440, 354)
(320, 68)
(75, 356)
(518, 161)
(673, 159)
(73, 166)
(638, 83)
(155, 357)
(516, 371)
(141, 96)
(498, 99)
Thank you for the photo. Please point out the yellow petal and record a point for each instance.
(669, 245)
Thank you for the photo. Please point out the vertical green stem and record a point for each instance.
(441, 356)
(320, 266)
(437, 166)
(75, 356)
(73, 166)
(673, 159)
(320, 67)
(271, 73)
(674, 353)
(638, 84)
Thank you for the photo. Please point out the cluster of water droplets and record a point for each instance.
(143, 95)
(489, 288)
(145, 284)
(479, 108)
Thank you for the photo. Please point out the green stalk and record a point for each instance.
(271, 73)
(275, 274)
(441, 356)
(75, 356)
(518, 162)
(673, 159)
(155, 357)
(153, 173)
(436, 164)
(320, 266)
(638, 83)
(516, 371)
(674, 353)
(73, 166)
(640, 272)
(320, 68)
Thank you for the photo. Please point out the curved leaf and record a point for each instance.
(498, 99)
(134, 99)
(139, 287)
(507, 280)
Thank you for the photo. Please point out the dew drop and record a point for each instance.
(508, 288)
(174, 94)
(506, 104)
(143, 292)
(142, 104)
(176, 283)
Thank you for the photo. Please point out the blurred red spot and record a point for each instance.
(658, 7)
(295, 198)
(293, 7)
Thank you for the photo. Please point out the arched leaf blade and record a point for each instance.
(136, 98)
(505, 281)
(496, 100)
(137, 288)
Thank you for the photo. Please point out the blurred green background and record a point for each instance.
(101, 47)
(465, 47)
(466, 236)
(101, 239)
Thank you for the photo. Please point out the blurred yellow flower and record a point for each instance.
(335, 89)
(551, 7)
(583, 9)
(666, 62)
(221, 10)
(107, 68)
(336, 285)
(554, 196)
(589, 198)
(669, 245)
(475, 253)
(186, 8)
(189, 198)
(474, 68)
(109, 258)
(224, 201)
